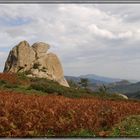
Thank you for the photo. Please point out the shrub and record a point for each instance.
(22, 76)
(49, 86)
(7, 84)
(28, 72)
(2, 82)
(84, 82)
(82, 133)
(103, 89)
(130, 126)
(73, 84)
(10, 85)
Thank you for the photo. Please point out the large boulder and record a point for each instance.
(20, 58)
(40, 48)
(36, 62)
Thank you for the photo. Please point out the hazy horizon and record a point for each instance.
(101, 39)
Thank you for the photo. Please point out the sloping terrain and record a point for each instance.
(131, 90)
(31, 107)
(22, 83)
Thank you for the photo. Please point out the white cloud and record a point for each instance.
(108, 34)
(84, 36)
(101, 32)
(126, 34)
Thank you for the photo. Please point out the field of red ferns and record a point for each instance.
(33, 115)
(12, 78)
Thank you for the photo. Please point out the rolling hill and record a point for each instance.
(132, 90)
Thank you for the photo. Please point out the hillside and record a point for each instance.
(21, 83)
(131, 90)
(135, 95)
(120, 83)
(41, 107)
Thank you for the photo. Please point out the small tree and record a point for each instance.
(72, 84)
(103, 89)
(84, 82)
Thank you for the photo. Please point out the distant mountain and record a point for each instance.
(101, 78)
(77, 79)
(120, 83)
(131, 90)
(92, 84)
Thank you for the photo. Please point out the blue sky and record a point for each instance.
(11, 22)
(101, 39)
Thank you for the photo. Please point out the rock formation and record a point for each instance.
(35, 61)
(122, 95)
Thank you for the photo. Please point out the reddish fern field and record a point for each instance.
(12, 78)
(33, 115)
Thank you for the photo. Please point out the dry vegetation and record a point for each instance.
(14, 78)
(31, 115)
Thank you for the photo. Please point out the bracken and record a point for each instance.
(32, 115)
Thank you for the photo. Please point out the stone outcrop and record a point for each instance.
(35, 61)
(40, 48)
(20, 58)
(122, 95)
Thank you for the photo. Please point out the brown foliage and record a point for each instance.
(13, 78)
(32, 115)
(9, 77)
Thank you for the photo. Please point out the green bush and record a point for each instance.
(72, 84)
(10, 85)
(6, 84)
(130, 126)
(103, 89)
(2, 82)
(22, 76)
(49, 86)
(52, 87)
(82, 133)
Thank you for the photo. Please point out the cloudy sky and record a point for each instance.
(89, 39)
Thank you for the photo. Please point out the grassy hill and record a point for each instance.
(21, 83)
